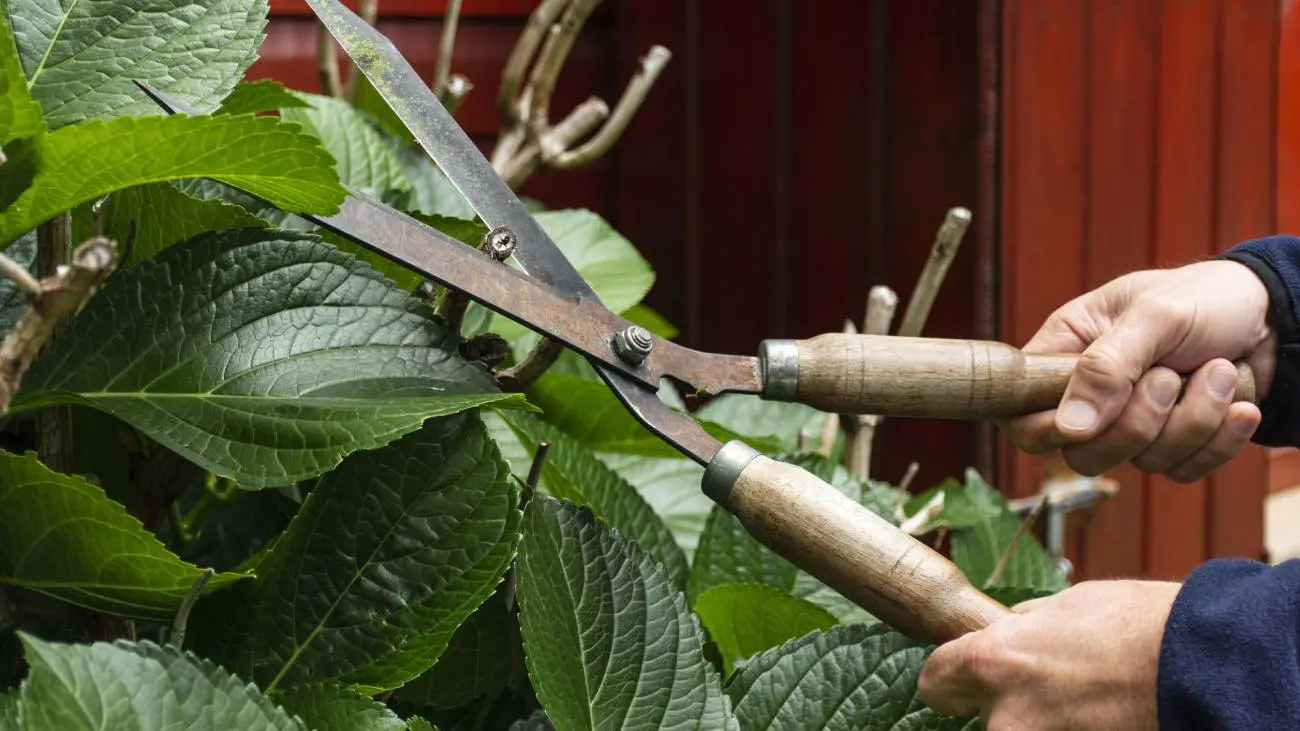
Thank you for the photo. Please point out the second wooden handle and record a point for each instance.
(923, 377)
(864, 557)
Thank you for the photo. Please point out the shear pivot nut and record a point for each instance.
(500, 243)
(633, 344)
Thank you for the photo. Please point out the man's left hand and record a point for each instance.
(1083, 659)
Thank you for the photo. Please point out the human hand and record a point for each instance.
(1086, 658)
(1120, 406)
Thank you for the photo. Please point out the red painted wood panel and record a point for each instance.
(1136, 134)
(1184, 216)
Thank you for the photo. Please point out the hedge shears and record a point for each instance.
(869, 560)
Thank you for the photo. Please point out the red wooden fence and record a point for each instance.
(793, 154)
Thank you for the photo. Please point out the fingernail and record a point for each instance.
(1223, 381)
(1164, 390)
(1077, 415)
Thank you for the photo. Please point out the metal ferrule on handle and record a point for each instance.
(864, 557)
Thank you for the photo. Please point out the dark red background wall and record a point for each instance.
(794, 154)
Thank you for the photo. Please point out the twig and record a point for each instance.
(1015, 539)
(327, 63)
(39, 326)
(916, 524)
(187, 604)
(57, 297)
(652, 64)
(542, 356)
(534, 476)
(881, 304)
(369, 11)
(546, 73)
(515, 164)
(539, 23)
(908, 476)
(442, 72)
(498, 244)
(18, 274)
(946, 243)
(458, 87)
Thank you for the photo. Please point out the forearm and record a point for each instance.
(1230, 657)
(1276, 261)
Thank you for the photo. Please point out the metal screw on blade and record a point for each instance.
(500, 243)
(633, 344)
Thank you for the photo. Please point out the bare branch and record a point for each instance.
(369, 11)
(918, 523)
(442, 72)
(522, 162)
(881, 304)
(559, 42)
(525, 48)
(498, 244)
(908, 476)
(1015, 540)
(946, 243)
(18, 274)
(327, 63)
(458, 87)
(652, 64)
(60, 295)
(187, 604)
(542, 356)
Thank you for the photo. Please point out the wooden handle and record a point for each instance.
(923, 377)
(872, 562)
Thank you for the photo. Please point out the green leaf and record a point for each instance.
(776, 422)
(159, 215)
(366, 99)
(127, 685)
(572, 473)
(9, 711)
(388, 555)
(260, 355)
(264, 95)
(64, 537)
(13, 303)
(671, 486)
(536, 722)
(333, 707)
(20, 115)
(81, 57)
(851, 677)
(746, 619)
(609, 642)
(647, 318)
(363, 156)
(977, 549)
(485, 657)
(78, 164)
(961, 508)
(430, 192)
(415, 723)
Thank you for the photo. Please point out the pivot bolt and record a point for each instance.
(500, 243)
(633, 344)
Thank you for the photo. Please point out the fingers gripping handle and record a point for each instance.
(872, 562)
(922, 377)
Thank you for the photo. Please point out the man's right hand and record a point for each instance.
(1135, 335)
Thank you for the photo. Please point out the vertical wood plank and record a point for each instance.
(1184, 230)
(1246, 163)
(1120, 154)
(1288, 115)
(1043, 180)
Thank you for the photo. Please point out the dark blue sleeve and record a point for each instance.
(1276, 261)
(1230, 659)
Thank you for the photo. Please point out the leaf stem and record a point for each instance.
(1005, 558)
(187, 604)
(442, 72)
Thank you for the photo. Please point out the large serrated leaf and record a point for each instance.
(389, 554)
(82, 56)
(746, 619)
(671, 486)
(776, 422)
(66, 538)
(139, 686)
(154, 216)
(334, 707)
(77, 164)
(258, 354)
(364, 157)
(263, 95)
(572, 473)
(978, 548)
(484, 658)
(20, 115)
(852, 677)
(431, 192)
(609, 642)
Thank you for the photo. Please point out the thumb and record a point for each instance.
(1108, 370)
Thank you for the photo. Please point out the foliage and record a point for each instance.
(282, 449)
